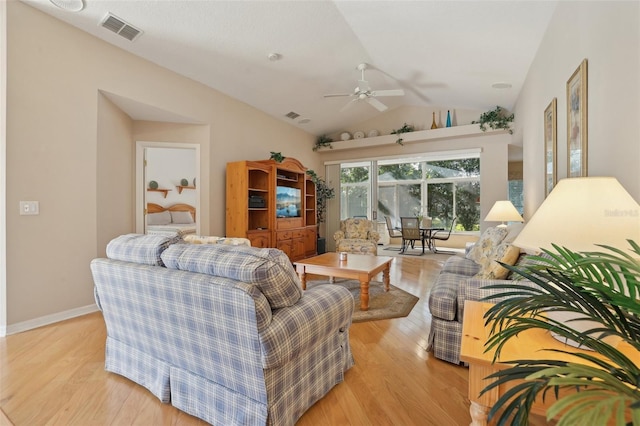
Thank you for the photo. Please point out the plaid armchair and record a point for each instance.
(357, 236)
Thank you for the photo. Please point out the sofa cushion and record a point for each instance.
(487, 244)
(490, 268)
(139, 248)
(269, 269)
(460, 265)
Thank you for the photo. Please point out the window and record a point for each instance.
(354, 190)
(453, 190)
(441, 188)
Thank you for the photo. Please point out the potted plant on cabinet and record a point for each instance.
(602, 287)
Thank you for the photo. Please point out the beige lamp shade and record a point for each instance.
(503, 211)
(580, 213)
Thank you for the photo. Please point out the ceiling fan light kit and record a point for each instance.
(363, 92)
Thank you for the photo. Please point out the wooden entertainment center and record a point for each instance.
(273, 205)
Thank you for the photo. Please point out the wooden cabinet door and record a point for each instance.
(298, 249)
(285, 246)
(259, 239)
(310, 241)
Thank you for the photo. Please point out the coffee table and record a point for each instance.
(361, 267)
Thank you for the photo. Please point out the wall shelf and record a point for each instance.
(164, 191)
(469, 130)
(181, 187)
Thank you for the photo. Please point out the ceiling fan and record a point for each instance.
(363, 92)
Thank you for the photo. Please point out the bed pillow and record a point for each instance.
(268, 268)
(139, 248)
(181, 217)
(163, 218)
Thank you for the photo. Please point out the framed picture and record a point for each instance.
(577, 122)
(550, 147)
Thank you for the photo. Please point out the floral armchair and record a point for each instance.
(357, 236)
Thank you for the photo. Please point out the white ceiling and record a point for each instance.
(443, 53)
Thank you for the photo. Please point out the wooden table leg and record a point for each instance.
(364, 295)
(480, 405)
(478, 414)
(303, 277)
(385, 277)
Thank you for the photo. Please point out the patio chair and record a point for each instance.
(411, 233)
(393, 233)
(441, 236)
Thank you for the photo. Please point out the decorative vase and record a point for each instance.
(433, 124)
(184, 182)
(153, 185)
(448, 118)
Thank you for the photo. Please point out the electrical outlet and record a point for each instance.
(29, 207)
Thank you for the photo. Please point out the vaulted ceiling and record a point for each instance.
(440, 53)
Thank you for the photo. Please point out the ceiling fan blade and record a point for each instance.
(392, 92)
(377, 104)
(333, 95)
(348, 105)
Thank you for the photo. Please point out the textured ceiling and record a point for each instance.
(442, 53)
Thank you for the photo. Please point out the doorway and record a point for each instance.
(167, 174)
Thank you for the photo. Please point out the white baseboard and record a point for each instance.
(48, 319)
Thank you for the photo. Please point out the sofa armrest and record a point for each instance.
(322, 311)
(475, 289)
(374, 236)
(338, 235)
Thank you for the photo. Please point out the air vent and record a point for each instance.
(120, 27)
(292, 115)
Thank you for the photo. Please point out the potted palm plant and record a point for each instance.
(323, 193)
(602, 287)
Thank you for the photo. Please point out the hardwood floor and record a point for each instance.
(55, 375)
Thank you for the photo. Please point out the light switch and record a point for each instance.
(29, 207)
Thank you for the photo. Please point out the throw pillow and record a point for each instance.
(492, 270)
(486, 245)
(269, 269)
(163, 218)
(181, 217)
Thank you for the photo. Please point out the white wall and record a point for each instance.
(608, 35)
(168, 166)
(72, 149)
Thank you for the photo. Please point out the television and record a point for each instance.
(288, 202)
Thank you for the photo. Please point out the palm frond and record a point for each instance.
(601, 287)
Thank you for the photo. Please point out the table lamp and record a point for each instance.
(503, 211)
(580, 213)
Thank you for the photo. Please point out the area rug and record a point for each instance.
(395, 303)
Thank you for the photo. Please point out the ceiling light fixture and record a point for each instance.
(273, 57)
(304, 121)
(501, 85)
(69, 5)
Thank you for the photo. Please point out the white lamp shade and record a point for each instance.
(503, 211)
(582, 212)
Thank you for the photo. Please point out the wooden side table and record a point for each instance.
(529, 344)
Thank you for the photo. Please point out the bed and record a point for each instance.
(176, 220)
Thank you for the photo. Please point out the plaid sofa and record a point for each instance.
(221, 332)
(459, 280)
